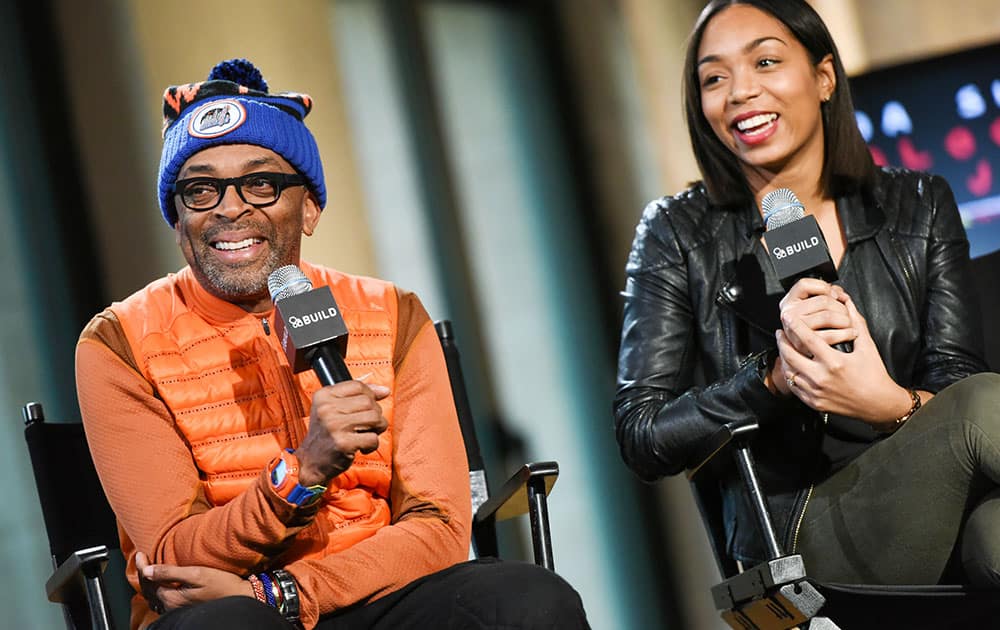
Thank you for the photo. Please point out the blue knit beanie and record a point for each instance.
(233, 107)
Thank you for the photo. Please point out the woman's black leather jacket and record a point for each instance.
(700, 314)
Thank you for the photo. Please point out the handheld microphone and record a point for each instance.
(796, 244)
(309, 325)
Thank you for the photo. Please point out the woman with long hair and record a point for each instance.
(880, 465)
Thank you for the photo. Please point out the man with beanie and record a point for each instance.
(249, 496)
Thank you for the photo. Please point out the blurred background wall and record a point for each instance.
(492, 156)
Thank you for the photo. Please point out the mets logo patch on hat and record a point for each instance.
(216, 118)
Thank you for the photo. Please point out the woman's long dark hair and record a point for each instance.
(847, 164)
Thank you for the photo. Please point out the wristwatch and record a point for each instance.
(284, 473)
(290, 606)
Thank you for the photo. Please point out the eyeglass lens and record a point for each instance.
(257, 189)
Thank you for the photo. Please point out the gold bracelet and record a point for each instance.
(915, 397)
(893, 425)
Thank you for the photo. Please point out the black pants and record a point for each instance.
(478, 595)
(921, 507)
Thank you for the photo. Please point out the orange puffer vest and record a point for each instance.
(226, 380)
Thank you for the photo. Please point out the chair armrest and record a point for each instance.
(718, 440)
(86, 563)
(772, 595)
(512, 499)
(757, 580)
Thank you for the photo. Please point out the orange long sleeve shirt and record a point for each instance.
(154, 487)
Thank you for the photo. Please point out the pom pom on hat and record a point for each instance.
(233, 106)
(239, 71)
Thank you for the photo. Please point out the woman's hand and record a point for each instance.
(815, 315)
(167, 586)
(776, 379)
(820, 307)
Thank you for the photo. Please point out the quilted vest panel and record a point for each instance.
(236, 402)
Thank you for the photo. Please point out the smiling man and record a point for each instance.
(249, 496)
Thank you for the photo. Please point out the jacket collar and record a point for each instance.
(219, 311)
(751, 289)
(862, 218)
(861, 215)
(210, 307)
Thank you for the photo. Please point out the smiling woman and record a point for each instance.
(761, 92)
(901, 416)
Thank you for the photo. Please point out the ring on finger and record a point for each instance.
(791, 380)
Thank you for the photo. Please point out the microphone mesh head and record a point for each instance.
(781, 207)
(287, 281)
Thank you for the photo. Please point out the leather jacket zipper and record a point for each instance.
(805, 504)
(802, 515)
(904, 265)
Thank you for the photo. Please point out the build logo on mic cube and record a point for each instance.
(797, 250)
(306, 321)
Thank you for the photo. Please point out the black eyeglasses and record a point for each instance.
(260, 190)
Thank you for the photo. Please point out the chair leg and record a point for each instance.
(538, 511)
(99, 617)
(822, 623)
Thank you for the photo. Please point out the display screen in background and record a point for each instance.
(942, 115)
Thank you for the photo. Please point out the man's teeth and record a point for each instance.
(755, 121)
(231, 245)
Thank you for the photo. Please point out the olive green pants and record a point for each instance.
(920, 507)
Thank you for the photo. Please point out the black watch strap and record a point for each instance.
(290, 594)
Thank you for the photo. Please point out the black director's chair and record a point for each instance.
(83, 534)
(80, 525)
(778, 594)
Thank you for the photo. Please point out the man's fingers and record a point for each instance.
(171, 598)
(347, 406)
(353, 397)
(348, 389)
(365, 435)
(365, 421)
(374, 422)
(369, 443)
(170, 574)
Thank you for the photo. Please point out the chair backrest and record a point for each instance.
(986, 277)
(484, 537)
(708, 498)
(74, 507)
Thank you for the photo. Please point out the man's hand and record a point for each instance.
(167, 586)
(345, 418)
